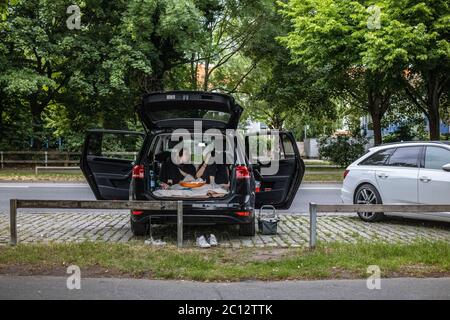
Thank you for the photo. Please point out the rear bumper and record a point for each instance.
(347, 194)
(207, 212)
(194, 218)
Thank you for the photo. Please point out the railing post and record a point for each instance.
(312, 225)
(13, 221)
(179, 224)
(45, 158)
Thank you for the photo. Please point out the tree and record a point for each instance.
(427, 54)
(71, 80)
(281, 92)
(227, 28)
(160, 35)
(334, 36)
(41, 57)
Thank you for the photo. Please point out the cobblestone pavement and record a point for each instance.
(292, 230)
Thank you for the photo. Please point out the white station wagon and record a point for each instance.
(400, 173)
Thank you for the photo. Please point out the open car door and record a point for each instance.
(276, 166)
(107, 160)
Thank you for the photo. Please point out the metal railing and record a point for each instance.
(343, 208)
(71, 168)
(49, 157)
(67, 158)
(95, 204)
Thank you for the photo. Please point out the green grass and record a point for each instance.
(334, 170)
(329, 174)
(335, 260)
(316, 162)
(29, 175)
(322, 177)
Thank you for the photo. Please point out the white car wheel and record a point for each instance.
(367, 194)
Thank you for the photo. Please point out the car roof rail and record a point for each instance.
(414, 142)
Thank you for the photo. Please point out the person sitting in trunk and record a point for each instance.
(172, 173)
(213, 173)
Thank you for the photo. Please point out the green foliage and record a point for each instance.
(368, 65)
(56, 82)
(341, 149)
(63, 81)
(284, 94)
(403, 133)
(290, 64)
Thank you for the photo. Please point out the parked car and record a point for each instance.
(400, 173)
(113, 175)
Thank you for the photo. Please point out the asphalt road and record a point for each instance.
(320, 193)
(45, 287)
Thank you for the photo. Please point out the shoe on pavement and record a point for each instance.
(153, 242)
(202, 243)
(213, 240)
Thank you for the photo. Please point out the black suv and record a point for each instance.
(113, 175)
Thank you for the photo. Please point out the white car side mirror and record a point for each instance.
(446, 167)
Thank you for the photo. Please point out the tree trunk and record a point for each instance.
(433, 107)
(194, 69)
(376, 109)
(276, 122)
(36, 115)
(434, 122)
(376, 122)
(2, 107)
(206, 77)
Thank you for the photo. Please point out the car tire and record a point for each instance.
(139, 229)
(247, 229)
(368, 194)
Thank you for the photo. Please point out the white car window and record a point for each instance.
(405, 157)
(378, 159)
(436, 158)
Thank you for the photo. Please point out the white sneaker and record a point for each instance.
(213, 240)
(202, 243)
(153, 242)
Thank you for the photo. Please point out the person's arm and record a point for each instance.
(203, 167)
(201, 170)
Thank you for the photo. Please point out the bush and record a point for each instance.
(403, 133)
(341, 150)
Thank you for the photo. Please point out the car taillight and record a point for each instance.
(243, 213)
(138, 171)
(242, 172)
(346, 172)
(257, 186)
(136, 212)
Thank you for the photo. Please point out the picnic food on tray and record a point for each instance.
(193, 184)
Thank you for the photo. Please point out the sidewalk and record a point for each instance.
(41, 287)
(293, 230)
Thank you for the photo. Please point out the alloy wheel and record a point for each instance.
(366, 196)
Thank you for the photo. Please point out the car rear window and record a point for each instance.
(405, 157)
(190, 113)
(378, 159)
